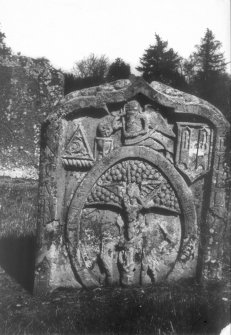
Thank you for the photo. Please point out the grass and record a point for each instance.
(18, 210)
(162, 310)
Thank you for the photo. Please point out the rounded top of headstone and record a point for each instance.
(125, 90)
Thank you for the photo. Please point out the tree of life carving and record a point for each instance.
(130, 224)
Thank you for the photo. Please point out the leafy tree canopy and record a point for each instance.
(88, 72)
(92, 66)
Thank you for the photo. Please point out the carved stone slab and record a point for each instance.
(124, 197)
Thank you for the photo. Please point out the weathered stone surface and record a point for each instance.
(29, 90)
(133, 187)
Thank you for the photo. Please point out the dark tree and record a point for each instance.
(162, 64)
(73, 83)
(4, 50)
(207, 63)
(208, 57)
(206, 73)
(221, 94)
(189, 68)
(118, 70)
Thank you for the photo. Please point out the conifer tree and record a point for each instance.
(207, 73)
(161, 64)
(208, 57)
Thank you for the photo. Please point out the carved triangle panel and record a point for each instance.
(78, 152)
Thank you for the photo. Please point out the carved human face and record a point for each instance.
(132, 108)
(105, 129)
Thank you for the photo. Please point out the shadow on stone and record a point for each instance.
(17, 256)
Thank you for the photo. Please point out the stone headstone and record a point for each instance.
(133, 188)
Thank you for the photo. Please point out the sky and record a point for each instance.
(65, 31)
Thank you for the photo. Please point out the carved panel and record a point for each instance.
(194, 149)
(153, 189)
(78, 152)
(125, 220)
(130, 229)
(134, 125)
(128, 248)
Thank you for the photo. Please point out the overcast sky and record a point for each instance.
(65, 31)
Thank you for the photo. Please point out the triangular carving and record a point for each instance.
(78, 152)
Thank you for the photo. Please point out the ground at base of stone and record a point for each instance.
(162, 310)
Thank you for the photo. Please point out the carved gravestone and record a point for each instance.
(133, 188)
